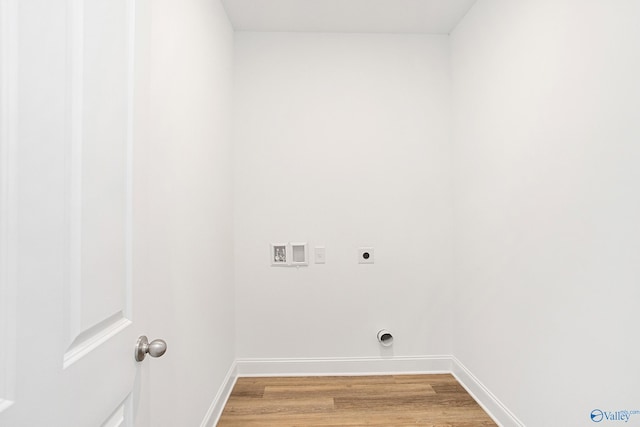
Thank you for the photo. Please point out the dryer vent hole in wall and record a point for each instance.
(385, 338)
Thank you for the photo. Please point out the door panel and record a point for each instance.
(101, 38)
(121, 417)
(68, 317)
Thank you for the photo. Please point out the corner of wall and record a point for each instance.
(481, 394)
(222, 396)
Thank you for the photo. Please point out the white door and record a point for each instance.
(72, 292)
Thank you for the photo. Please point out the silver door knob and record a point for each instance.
(155, 348)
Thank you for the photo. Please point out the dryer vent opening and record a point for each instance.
(385, 338)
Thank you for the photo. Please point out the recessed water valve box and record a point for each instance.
(279, 254)
(288, 254)
(299, 254)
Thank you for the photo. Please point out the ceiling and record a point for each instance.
(348, 16)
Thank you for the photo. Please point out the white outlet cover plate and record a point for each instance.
(362, 256)
(320, 255)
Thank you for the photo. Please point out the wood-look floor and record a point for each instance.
(388, 400)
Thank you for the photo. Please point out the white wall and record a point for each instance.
(547, 260)
(342, 140)
(190, 197)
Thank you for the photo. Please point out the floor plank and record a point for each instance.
(385, 400)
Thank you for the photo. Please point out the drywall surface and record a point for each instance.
(190, 199)
(342, 141)
(547, 201)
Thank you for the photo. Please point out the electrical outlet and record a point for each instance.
(365, 255)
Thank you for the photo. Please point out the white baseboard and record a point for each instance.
(343, 366)
(217, 406)
(487, 400)
(361, 366)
